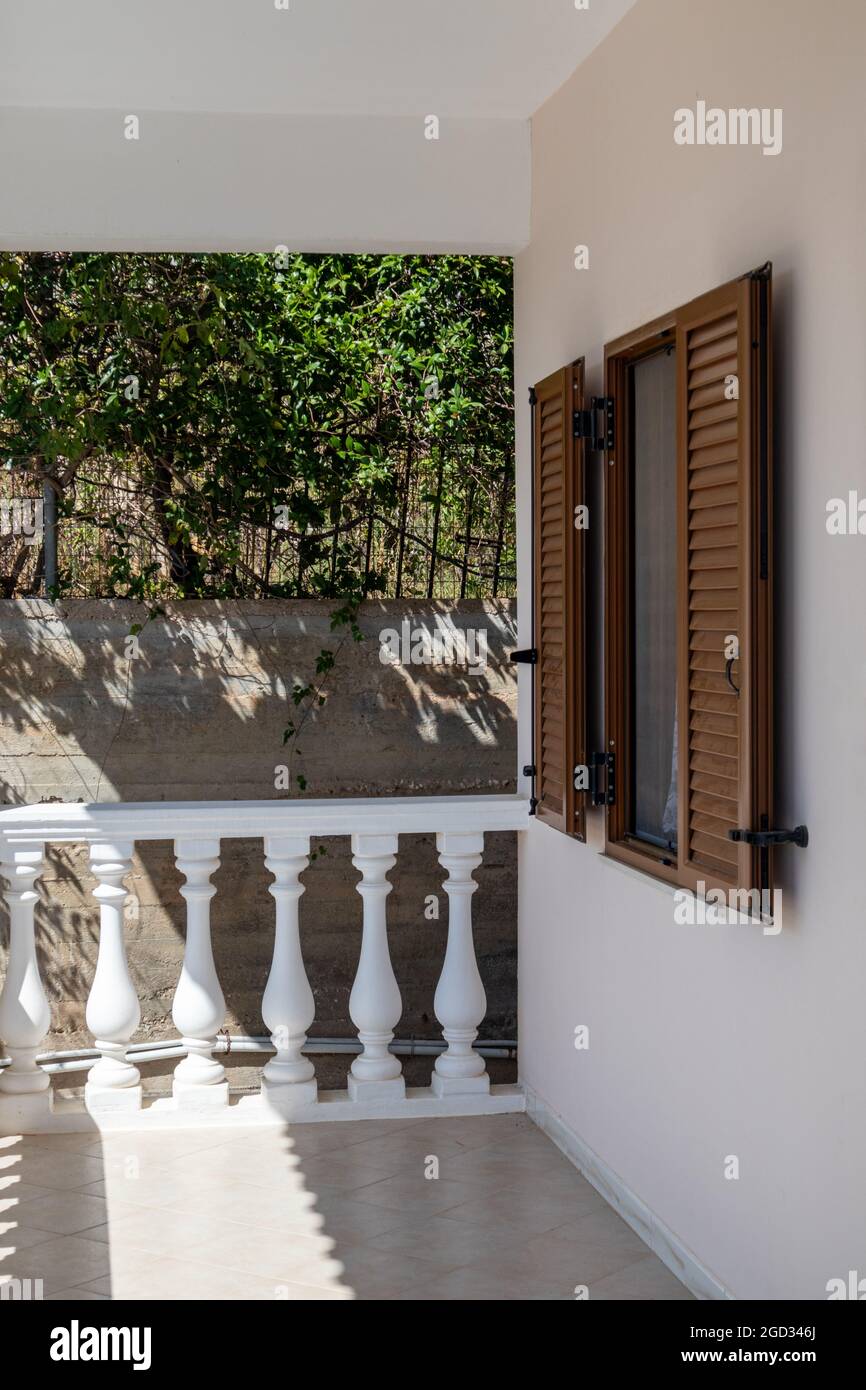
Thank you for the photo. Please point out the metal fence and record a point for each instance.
(444, 529)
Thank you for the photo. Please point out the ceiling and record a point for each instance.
(469, 58)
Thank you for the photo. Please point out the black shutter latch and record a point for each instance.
(529, 655)
(766, 839)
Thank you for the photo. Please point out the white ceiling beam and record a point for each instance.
(71, 180)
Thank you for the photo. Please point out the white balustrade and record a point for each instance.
(113, 1012)
(375, 1005)
(460, 1002)
(24, 1013)
(199, 1008)
(375, 1084)
(288, 1007)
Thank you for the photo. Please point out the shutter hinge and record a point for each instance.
(767, 839)
(602, 764)
(586, 424)
(529, 655)
(605, 439)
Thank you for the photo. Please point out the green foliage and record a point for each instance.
(230, 426)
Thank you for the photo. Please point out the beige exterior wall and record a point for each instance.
(716, 1041)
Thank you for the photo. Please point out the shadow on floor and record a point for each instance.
(481, 1208)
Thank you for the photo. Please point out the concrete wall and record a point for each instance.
(199, 714)
(708, 1042)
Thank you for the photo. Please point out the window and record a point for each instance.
(651, 459)
(687, 753)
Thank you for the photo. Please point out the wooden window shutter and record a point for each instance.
(560, 702)
(725, 695)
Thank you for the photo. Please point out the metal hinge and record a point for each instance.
(529, 655)
(767, 839)
(598, 764)
(587, 425)
(604, 404)
(584, 424)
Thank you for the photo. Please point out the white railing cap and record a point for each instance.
(53, 822)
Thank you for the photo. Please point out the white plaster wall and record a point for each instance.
(712, 1041)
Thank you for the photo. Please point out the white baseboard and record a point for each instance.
(660, 1239)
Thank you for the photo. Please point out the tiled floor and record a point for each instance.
(339, 1210)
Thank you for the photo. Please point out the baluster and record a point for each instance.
(25, 1016)
(199, 1007)
(288, 1007)
(460, 1002)
(375, 1005)
(113, 1011)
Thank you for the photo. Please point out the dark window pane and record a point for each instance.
(655, 591)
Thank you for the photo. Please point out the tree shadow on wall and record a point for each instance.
(195, 709)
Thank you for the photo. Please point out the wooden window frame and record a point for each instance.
(619, 356)
(749, 299)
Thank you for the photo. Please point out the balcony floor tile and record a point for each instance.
(330, 1211)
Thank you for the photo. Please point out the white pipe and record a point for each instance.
(82, 1059)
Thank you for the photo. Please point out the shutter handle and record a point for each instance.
(729, 666)
(765, 839)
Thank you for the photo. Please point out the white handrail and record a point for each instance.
(56, 822)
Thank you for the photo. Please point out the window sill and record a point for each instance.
(722, 916)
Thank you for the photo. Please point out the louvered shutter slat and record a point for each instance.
(559, 674)
(724, 736)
